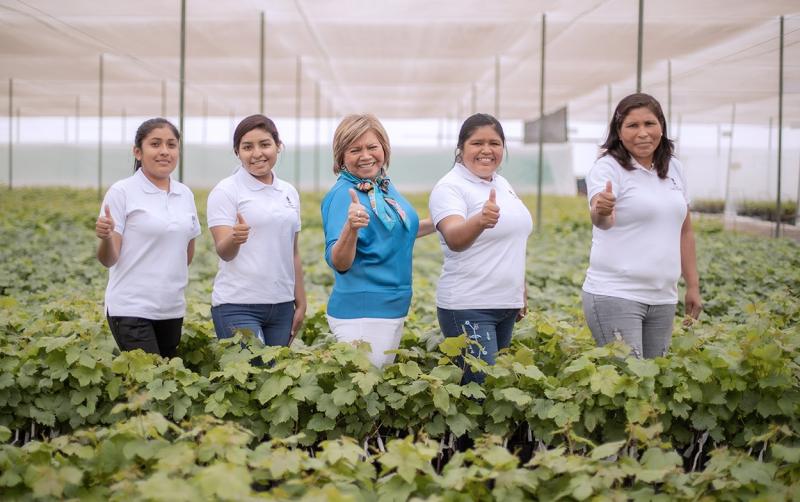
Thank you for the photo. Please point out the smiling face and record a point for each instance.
(483, 152)
(640, 134)
(158, 155)
(258, 153)
(364, 157)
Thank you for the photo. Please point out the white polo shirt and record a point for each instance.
(156, 227)
(263, 270)
(490, 274)
(639, 258)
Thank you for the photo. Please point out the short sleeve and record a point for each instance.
(221, 208)
(115, 200)
(446, 200)
(677, 169)
(334, 216)
(296, 203)
(196, 230)
(604, 170)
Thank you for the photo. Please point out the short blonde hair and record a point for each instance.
(353, 127)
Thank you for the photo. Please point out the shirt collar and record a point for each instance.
(637, 165)
(253, 184)
(148, 186)
(465, 173)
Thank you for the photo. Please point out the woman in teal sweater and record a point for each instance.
(369, 240)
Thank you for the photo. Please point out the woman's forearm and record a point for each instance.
(458, 233)
(344, 250)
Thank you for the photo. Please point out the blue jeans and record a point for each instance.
(270, 323)
(490, 328)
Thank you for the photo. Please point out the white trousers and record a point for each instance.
(381, 334)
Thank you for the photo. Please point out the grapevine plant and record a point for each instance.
(557, 417)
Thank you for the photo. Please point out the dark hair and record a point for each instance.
(145, 129)
(257, 121)
(613, 145)
(472, 123)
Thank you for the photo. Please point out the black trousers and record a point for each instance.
(156, 337)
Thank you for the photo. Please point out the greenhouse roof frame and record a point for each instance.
(401, 58)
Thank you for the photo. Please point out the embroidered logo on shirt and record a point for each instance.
(675, 185)
(289, 202)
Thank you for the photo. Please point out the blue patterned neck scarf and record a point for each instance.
(376, 190)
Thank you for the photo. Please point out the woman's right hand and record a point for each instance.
(605, 201)
(490, 213)
(357, 216)
(241, 230)
(104, 226)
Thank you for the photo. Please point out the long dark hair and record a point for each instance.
(613, 145)
(257, 121)
(145, 129)
(472, 123)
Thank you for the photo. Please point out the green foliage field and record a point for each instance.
(557, 418)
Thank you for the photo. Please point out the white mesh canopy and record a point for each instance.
(400, 58)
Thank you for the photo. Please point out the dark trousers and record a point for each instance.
(153, 336)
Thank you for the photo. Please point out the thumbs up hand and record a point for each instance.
(357, 215)
(490, 214)
(605, 201)
(104, 226)
(241, 230)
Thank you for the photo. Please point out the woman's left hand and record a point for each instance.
(522, 313)
(297, 321)
(524, 310)
(693, 303)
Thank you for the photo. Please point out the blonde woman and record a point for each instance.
(370, 230)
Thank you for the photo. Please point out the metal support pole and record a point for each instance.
(10, 133)
(77, 119)
(297, 111)
(446, 128)
(317, 138)
(205, 119)
(729, 209)
(181, 98)
(497, 87)
(639, 47)
(540, 173)
(164, 98)
(100, 133)
(669, 94)
(261, 54)
(474, 99)
(778, 209)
